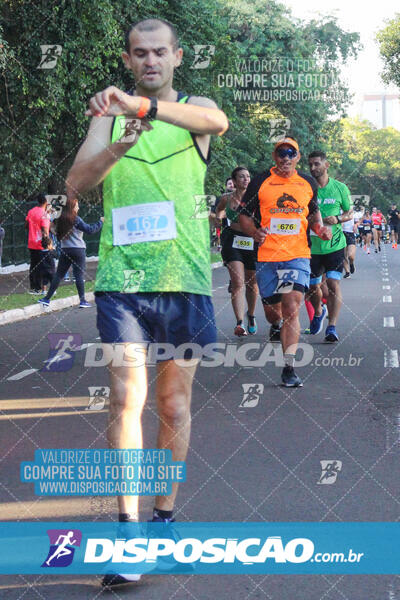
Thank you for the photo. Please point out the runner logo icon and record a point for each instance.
(278, 129)
(251, 394)
(62, 351)
(132, 280)
(62, 547)
(98, 396)
(330, 470)
(50, 54)
(203, 54)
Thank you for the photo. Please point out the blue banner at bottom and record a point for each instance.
(199, 548)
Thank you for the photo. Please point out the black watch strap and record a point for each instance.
(152, 112)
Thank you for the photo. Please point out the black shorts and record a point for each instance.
(377, 227)
(394, 227)
(366, 231)
(230, 253)
(331, 264)
(350, 238)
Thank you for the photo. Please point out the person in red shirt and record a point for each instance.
(377, 220)
(38, 224)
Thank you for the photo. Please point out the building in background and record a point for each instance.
(382, 110)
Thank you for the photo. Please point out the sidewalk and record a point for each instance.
(18, 283)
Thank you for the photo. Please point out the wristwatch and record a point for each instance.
(152, 112)
(338, 219)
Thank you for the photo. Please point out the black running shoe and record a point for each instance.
(352, 268)
(290, 379)
(379, 248)
(274, 334)
(346, 275)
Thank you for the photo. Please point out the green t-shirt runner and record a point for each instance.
(333, 199)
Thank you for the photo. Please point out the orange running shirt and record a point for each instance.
(282, 205)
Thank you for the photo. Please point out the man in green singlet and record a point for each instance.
(327, 256)
(153, 284)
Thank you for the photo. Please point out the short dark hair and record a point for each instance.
(317, 154)
(41, 199)
(151, 25)
(227, 179)
(236, 171)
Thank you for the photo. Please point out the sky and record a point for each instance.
(363, 75)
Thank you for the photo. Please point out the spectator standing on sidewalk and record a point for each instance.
(70, 230)
(38, 224)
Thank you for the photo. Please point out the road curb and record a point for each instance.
(35, 310)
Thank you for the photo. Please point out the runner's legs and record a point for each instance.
(174, 394)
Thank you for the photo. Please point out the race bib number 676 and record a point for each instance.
(285, 226)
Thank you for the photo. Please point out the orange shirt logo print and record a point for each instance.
(286, 203)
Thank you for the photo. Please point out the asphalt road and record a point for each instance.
(251, 458)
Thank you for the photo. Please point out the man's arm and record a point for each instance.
(346, 215)
(96, 157)
(200, 115)
(345, 206)
(342, 218)
(314, 217)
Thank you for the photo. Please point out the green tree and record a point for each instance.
(42, 117)
(366, 159)
(389, 42)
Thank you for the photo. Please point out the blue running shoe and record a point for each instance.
(290, 379)
(317, 323)
(44, 302)
(251, 325)
(84, 304)
(331, 334)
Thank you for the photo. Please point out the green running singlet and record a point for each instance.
(332, 198)
(165, 165)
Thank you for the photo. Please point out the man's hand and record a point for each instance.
(260, 235)
(324, 233)
(113, 102)
(332, 220)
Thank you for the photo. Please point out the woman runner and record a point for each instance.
(239, 254)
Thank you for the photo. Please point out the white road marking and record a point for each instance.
(387, 298)
(45, 415)
(391, 359)
(388, 321)
(385, 279)
(22, 374)
(386, 287)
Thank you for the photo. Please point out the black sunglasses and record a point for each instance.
(289, 152)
